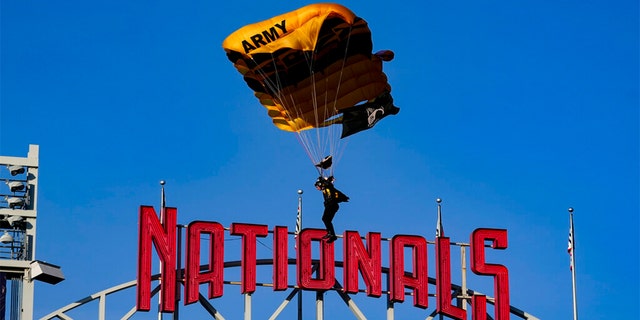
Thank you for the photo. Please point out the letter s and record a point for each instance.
(499, 272)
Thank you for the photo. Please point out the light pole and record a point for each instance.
(18, 217)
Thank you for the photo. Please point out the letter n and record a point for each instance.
(499, 272)
(367, 261)
(163, 236)
(211, 273)
(418, 279)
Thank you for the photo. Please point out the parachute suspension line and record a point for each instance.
(317, 152)
(325, 136)
(314, 100)
(311, 148)
(337, 148)
(322, 138)
(275, 88)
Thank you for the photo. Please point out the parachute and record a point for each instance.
(314, 71)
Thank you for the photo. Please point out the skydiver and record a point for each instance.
(332, 197)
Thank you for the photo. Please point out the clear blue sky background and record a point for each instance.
(511, 112)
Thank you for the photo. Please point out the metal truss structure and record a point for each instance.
(215, 308)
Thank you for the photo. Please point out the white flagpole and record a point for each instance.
(298, 228)
(439, 228)
(572, 255)
(439, 232)
(162, 208)
(299, 215)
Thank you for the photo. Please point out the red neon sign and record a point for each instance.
(360, 258)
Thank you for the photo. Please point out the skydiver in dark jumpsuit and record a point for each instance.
(332, 197)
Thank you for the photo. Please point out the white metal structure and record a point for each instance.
(18, 213)
(216, 308)
(18, 217)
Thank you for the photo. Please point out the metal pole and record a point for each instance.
(390, 313)
(162, 206)
(439, 228)
(573, 264)
(463, 264)
(439, 232)
(298, 228)
(319, 305)
(247, 306)
(176, 312)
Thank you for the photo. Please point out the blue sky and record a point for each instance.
(511, 112)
